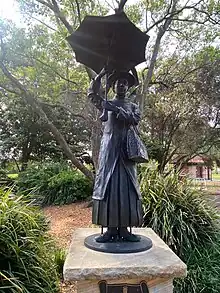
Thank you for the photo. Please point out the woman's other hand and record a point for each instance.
(101, 74)
(109, 106)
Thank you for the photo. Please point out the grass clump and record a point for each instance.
(182, 216)
(59, 258)
(26, 251)
(178, 212)
(203, 263)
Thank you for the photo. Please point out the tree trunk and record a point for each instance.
(16, 163)
(26, 151)
(25, 157)
(27, 96)
(162, 30)
(67, 151)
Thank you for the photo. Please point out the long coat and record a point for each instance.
(113, 143)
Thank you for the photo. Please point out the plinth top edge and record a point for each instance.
(83, 263)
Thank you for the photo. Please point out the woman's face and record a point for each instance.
(121, 86)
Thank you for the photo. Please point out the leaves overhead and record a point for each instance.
(178, 116)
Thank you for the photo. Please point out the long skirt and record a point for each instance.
(121, 206)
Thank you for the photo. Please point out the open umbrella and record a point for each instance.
(111, 41)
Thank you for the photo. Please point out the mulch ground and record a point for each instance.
(65, 219)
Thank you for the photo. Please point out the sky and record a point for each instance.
(9, 10)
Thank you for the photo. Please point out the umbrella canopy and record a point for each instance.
(111, 41)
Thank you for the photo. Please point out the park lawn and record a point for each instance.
(216, 176)
(13, 176)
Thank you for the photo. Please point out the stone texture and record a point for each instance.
(154, 286)
(85, 264)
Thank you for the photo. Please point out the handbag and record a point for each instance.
(136, 150)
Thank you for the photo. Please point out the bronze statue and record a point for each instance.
(105, 42)
(116, 196)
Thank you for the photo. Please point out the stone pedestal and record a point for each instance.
(157, 266)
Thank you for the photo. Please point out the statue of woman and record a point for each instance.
(116, 196)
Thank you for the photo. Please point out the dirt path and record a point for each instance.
(65, 219)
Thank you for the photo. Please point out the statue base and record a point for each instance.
(148, 271)
(120, 246)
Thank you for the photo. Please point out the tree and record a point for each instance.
(181, 119)
(23, 136)
(37, 86)
(184, 23)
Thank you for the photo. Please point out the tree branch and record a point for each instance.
(56, 72)
(57, 135)
(120, 6)
(57, 11)
(45, 3)
(111, 6)
(208, 15)
(12, 91)
(47, 65)
(78, 11)
(3, 51)
(173, 83)
(55, 8)
(65, 108)
(191, 20)
(171, 14)
(48, 26)
(162, 29)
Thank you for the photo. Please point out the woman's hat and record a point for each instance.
(118, 75)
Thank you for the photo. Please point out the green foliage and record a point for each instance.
(26, 251)
(181, 117)
(59, 258)
(180, 214)
(54, 183)
(43, 61)
(40, 57)
(135, 13)
(177, 211)
(216, 176)
(3, 174)
(12, 176)
(5, 179)
(25, 137)
(203, 270)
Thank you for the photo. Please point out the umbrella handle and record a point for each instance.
(104, 116)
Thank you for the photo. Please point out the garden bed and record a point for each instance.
(65, 219)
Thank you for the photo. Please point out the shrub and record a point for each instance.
(180, 214)
(4, 178)
(203, 270)
(54, 184)
(37, 176)
(26, 251)
(3, 173)
(176, 210)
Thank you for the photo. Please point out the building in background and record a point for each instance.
(199, 167)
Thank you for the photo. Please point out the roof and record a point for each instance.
(197, 160)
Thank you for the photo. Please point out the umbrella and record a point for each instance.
(111, 41)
